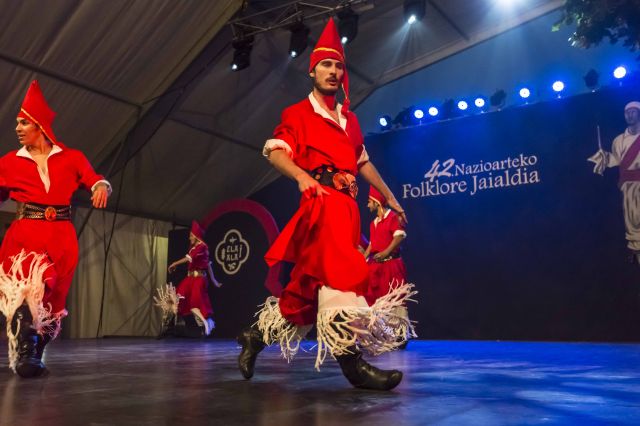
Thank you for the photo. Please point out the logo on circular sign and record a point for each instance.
(232, 252)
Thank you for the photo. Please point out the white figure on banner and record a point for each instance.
(625, 153)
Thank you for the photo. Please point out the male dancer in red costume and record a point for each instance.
(386, 268)
(319, 144)
(40, 250)
(193, 289)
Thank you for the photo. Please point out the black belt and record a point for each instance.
(341, 180)
(197, 273)
(388, 258)
(42, 212)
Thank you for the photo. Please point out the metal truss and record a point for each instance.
(285, 15)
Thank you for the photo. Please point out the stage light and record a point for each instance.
(418, 113)
(558, 86)
(498, 99)
(591, 79)
(385, 122)
(433, 111)
(462, 105)
(241, 53)
(524, 93)
(347, 25)
(620, 72)
(299, 39)
(414, 10)
(448, 110)
(480, 102)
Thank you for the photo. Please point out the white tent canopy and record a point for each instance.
(159, 71)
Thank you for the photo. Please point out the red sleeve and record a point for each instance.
(199, 256)
(288, 129)
(4, 191)
(87, 176)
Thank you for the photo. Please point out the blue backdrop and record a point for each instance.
(511, 235)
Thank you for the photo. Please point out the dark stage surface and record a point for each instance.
(195, 382)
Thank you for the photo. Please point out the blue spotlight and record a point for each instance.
(385, 122)
(558, 86)
(524, 93)
(418, 113)
(433, 111)
(462, 105)
(480, 102)
(620, 72)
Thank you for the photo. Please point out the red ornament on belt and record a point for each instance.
(50, 214)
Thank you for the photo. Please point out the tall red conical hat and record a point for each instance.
(197, 230)
(376, 196)
(330, 47)
(35, 109)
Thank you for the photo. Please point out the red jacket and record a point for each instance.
(68, 169)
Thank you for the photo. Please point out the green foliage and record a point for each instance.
(618, 20)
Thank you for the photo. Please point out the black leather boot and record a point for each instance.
(251, 341)
(168, 327)
(29, 360)
(365, 376)
(42, 342)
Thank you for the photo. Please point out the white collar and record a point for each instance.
(23, 152)
(627, 133)
(377, 220)
(319, 110)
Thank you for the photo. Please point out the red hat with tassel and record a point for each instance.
(35, 109)
(330, 47)
(197, 230)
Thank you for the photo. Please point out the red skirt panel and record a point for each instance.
(55, 239)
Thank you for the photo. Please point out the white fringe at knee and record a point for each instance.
(167, 300)
(375, 330)
(276, 329)
(17, 288)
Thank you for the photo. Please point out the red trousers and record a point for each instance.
(382, 275)
(194, 291)
(58, 241)
(322, 240)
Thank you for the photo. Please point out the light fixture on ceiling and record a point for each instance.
(414, 10)
(299, 39)
(498, 99)
(591, 79)
(241, 53)
(347, 25)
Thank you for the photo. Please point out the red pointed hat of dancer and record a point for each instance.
(376, 196)
(197, 230)
(36, 109)
(330, 47)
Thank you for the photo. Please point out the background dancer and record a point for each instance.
(194, 298)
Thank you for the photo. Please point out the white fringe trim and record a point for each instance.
(16, 288)
(380, 328)
(375, 330)
(167, 300)
(276, 329)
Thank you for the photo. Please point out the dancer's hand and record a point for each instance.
(100, 196)
(380, 255)
(309, 186)
(393, 204)
(171, 267)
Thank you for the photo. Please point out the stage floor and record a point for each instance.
(196, 382)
